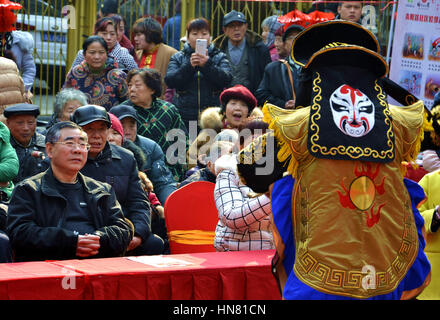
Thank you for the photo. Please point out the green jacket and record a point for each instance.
(8, 160)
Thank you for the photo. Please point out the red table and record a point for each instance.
(198, 276)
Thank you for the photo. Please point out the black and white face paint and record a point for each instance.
(353, 111)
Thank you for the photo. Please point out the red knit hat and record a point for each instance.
(238, 92)
(117, 125)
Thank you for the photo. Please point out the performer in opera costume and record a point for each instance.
(346, 221)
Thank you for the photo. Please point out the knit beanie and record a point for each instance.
(238, 92)
(116, 125)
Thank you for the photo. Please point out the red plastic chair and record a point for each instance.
(191, 218)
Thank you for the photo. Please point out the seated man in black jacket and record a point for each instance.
(279, 83)
(117, 166)
(5, 246)
(62, 214)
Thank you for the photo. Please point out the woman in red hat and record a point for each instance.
(239, 105)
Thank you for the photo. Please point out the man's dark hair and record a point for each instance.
(117, 19)
(54, 133)
(109, 7)
(198, 24)
(151, 79)
(93, 39)
(341, 2)
(103, 23)
(254, 126)
(151, 29)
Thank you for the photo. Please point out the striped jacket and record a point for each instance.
(244, 222)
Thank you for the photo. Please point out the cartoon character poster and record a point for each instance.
(432, 85)
(434, 49)
(415, 60)
(413, 46)
(411, 81)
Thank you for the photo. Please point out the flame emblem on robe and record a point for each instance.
(362, 192)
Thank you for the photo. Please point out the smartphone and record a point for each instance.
(201, 46)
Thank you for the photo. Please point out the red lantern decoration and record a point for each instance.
(303, 19)
(319, 16)
(7, 16)
(295, 17)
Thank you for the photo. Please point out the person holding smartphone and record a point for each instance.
(199, 73)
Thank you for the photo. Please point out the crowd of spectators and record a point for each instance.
(140, 117)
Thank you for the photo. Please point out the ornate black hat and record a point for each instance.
(319, 35)
(340, 80)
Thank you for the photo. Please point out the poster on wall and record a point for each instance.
(415, 62)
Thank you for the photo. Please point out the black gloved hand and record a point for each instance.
(3, 218)
(435, 224)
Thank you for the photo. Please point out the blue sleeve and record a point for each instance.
(161, 176)
(421, 267)
(281, 199)
(79, 58)
(28, 70)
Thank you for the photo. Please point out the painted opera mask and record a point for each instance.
(352, 110)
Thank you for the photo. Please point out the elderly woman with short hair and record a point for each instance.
(151, 52)
(150, 49)
(155, 117)
(66, 102)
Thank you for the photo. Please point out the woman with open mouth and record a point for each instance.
(238, 107)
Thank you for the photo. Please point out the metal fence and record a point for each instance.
(213, 10)
(44, 20)
(57, 42)
(376, 14)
